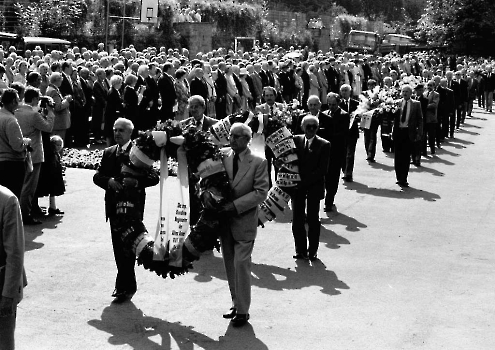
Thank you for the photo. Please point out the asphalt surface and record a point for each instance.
(409, 269)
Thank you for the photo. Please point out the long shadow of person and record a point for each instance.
(408, 193)
(34, 231)
(331, 239)
(127, 325)
(350, 223)
(425, 169)
(275, 277)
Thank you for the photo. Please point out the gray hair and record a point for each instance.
(56, 76)
(245, 129)
(127, 122)
(309, 118)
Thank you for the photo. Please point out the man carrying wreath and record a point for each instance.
(249, 184)
(109, 177)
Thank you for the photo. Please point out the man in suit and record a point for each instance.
(12, 275)
(100, 94)
(489, 87)
(87, 87)
(167, 92)
(249, 183)
(198, 84)
(408, 128)
(420, 96)
(430, 117)
(338, 139)
(221, 88)
(108, 177)
(67, 89)
(197, 108)
(32, 123)
(447, 100)
(349, 105)
(455, 86)
(269, 109)
(313, 153)
(333, 76)
(257, 84)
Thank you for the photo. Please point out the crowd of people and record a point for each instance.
(83, 97)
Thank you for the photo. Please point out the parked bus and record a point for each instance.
(22, 44)
(396, 42)
(361, 41)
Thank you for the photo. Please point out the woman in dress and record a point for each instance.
(314, 87)
(114, 108)
(20, 76)
(182, 91)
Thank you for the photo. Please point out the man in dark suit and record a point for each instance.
(100, 94)
(489, 87)
(338, 139)
(313, 153)
(447, 105)
(349, 105)
(455, 86)
(408, 128)
(66, 89)
(198, 84)
(87, 87)
(167, 92)
(108, 177)
(249, 184)
(430, 117)
(333, 76)
(221, 88)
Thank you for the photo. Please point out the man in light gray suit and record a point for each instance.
(249, 183)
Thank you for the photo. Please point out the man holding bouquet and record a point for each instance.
(249, 183)
(109, 177)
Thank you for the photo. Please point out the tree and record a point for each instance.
(466, 25)
(53, 18)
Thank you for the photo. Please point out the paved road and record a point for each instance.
(406, 269)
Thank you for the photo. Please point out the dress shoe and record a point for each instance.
(29, 220)
(313, 257)
(52, 212)
(347, 178)
(371, 160)
(301, 256)
(37, 211)
(240, 320)
(121, 296)
(403, 184)
(231, 314)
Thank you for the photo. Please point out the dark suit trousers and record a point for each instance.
(429, 133)
(348, 166)
(403, 147)
(12, 176)
(221, 108)
(332, 179)
(125, 261)
(370, 138)
(301, 238)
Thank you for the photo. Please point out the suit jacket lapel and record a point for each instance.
(243, 167)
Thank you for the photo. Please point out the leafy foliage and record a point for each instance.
(53, 18)
(466, 25)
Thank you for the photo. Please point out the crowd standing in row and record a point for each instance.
(95, 95)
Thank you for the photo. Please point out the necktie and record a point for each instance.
(404, 113)
(235, 165)
(271, 110)
(306, 148)
(198, 124)
(119, 150)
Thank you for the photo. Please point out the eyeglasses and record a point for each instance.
(311, 126)
(235, 137)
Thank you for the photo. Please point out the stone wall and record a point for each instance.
(198, 36)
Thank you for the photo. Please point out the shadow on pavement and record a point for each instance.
(31, 232)
(331, 239)
(127, 325)
(406, 193)
(305, 274)
(336, 218)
